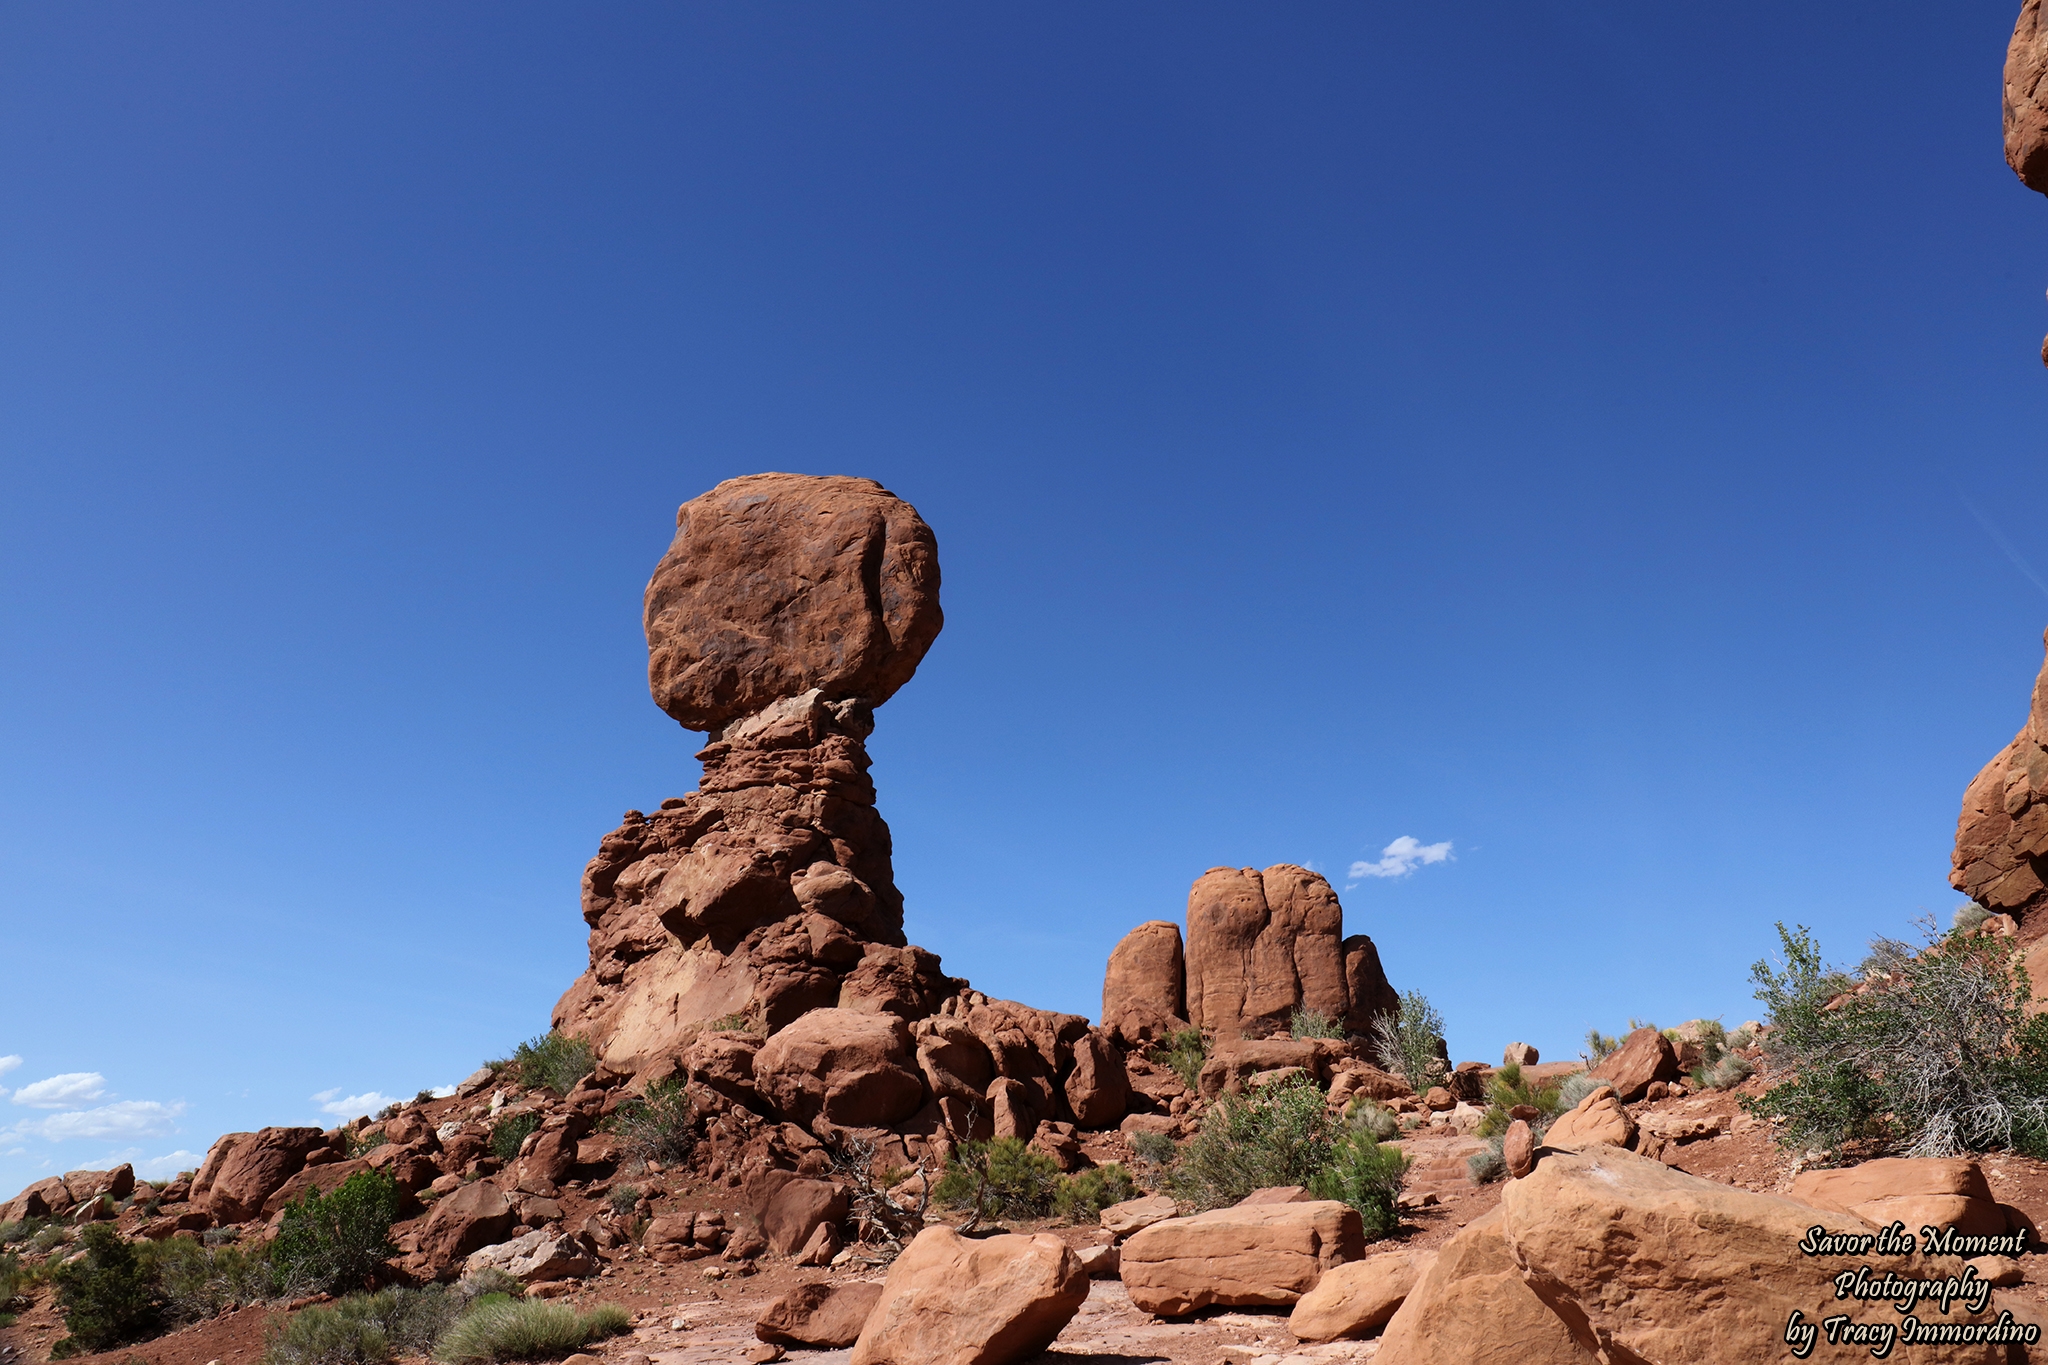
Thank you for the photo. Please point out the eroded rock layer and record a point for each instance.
(2001, 854)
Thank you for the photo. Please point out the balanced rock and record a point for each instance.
(1264, 944)
(780, 583)
(1144, 988)
(786, 610)
(823, 1316)
(2026, 99)
(952, 1300)
(1518, 1149)
(1260, 1255)
(1518, 1054)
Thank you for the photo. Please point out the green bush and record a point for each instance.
(660, 1126)
(623, 1198)
(109, 1297)
(336, 1242)
(553, 1061)
(509, 1132)
(1406, 1042)
(1273, 1135)
(363, 1329)
(1935, 1056)
(21, 1230)
(999, 1179)
(1368, 1176)
(1599, 1047)
(1182, 1052)
(1079, 1198)
(489, 1280)
(199, 1281)
(528, 1329)
(1370, 1117)
(1506, 1089)
(1307, 1023)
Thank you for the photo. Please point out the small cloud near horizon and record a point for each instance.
(352, 1106)
(1400, 858)
(168, 1165)
(67, 1091)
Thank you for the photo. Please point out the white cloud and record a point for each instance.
(63, 1092)
(1402, 857)
(442, 1092)
(126, 1119)
(351, 1106)
(8, 1063)
(168, 1165)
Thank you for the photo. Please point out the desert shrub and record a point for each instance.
(489, 1280)
(1156, 1148)
(21, 1230)
(1506, 1089)
(1182, 1052)
(528, 1329)
(109, 1297)
(198, 1281)
(1307, 1023)
(661, 1126)
(733, 1023)
(1599, 1047)
(554, 1061)
(363, 1329)
(1371, 1117)
(1078, 1198)
(1935, 1056)
(999, 1179)
(1969, 915)
(1729, 1071)
(623, 1198)
(510, 1131)
(1368, 1176)
(14, 1279)
(1488, 1164)
(1274, 1135)
(1576, 1087)
(1743, 1038)
(49, 1237)
(1406, 1042)
(333, 1243)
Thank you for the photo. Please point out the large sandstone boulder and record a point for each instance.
(851, 1068)
(824, 1316)
(1610, 1251)
(779, 583)
(1645, 1056)
(475, 1216)
(86, 1186)
(254, 1166)
(1144, 988)
(951, 1300)
(791, 1208)
(535, 1257)
(1234, 1062)
(2026, 98)
(1598, 1119)
(1097, 1090)
(1260, 1255)
(1357, 1299)
(1914, 1191)
(1472, 1305)
(2001, 853)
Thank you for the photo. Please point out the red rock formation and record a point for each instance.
(2026, 99)
(787, 608)
(1263, 944)
(1144, 989)
(2001, 854)
(780, 583)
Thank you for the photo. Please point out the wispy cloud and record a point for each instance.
(67, 1091)
(2018, 562)
(1400, 858)
(8, 1063)
(351, 1106)
(124, 1119)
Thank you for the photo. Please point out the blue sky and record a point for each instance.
(1551, 435)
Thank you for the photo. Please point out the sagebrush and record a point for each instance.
(554, 1061)
(1409, 1042)
(1273, 1135)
